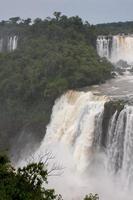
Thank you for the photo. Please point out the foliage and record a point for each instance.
(91, 197)
(56, 55)
(115, 28)
(26, 183)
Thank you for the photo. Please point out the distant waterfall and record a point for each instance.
(12, 43)
(8, 43)
(1, 44)
(115, 48)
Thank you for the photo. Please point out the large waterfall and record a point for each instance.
(8, 43)
(96, 152)
(115, 48)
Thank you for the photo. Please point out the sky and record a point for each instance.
(94, 11)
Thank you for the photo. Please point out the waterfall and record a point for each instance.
(75, 135)
(120, 147)
(1, 44)
(12, 43)
(8, 43)
(73, 123)
(104, 46)
(115, 48)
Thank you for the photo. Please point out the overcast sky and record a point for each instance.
(94, 11)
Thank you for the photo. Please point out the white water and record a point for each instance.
(74, 136)
(8, 43)
(73, 124)
(120, 87)
(70, 137)
(12, 43)
(1, 44)
(115, 48)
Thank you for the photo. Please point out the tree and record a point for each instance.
(57, 15)
(87, 24)
(77, 21)
(91, 197)
(25, 183)
(3, 22)
(27, 21)
(37, 20)
(14, 20)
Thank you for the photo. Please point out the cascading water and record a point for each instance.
(120, 146)
(1, 44)
(75, 136)
(8, 43)
(115, 48)
(12, 43)
(73, 124)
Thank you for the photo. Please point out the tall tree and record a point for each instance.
(14, 20)
(24, 184)
(57, 15)
(27, 21)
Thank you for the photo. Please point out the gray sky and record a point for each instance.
(94, 11)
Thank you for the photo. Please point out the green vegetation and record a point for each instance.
(115, 28)
(91, 197)
(24, 184)
(27, 183)
(54, 55)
